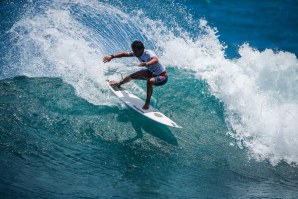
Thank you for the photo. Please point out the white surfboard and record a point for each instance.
(136, 104)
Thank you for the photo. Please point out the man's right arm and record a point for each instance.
(118, 55)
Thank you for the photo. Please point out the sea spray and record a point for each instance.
(259, 91)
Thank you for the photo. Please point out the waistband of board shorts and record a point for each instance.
(163, 74)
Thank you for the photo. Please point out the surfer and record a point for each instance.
(155, 73)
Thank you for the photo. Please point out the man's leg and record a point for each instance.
(137, 75)
(150, 83)
(125, 80)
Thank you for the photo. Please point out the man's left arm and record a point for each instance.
(153, 60)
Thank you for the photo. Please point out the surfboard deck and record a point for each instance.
(136, 104)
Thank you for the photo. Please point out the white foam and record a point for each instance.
(259, 91)
(54, 43)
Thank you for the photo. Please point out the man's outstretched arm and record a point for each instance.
(118, 55)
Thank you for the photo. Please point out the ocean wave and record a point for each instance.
(258, 89)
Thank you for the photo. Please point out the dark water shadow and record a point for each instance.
(142, 124)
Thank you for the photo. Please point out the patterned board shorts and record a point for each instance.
(160, 79)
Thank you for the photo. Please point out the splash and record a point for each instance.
(267, 104)
(60, 41)
(259, 90)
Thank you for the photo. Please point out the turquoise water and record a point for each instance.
(233, 87)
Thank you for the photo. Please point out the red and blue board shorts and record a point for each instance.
(160, 79)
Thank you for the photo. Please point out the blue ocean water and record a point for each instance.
(233, 87)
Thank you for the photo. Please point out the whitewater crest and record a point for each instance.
(259, 91)
(268, 108)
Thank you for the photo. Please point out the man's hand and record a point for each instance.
(142, 64)
(107, 59)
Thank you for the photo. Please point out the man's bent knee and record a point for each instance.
(151, 81)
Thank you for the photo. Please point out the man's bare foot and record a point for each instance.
(146, 106)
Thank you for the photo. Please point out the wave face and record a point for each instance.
(239, 112)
